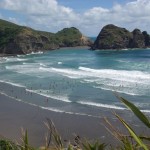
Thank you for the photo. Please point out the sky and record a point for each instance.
(89, 16)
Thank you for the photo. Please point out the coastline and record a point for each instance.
(7, 55)
(61, 48)
(76, 48)
(123, 49)
(15, 114)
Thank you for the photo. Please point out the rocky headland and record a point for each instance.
(113, 37)
(15, 39)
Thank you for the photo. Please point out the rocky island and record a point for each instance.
(15, 39)
(113, 37)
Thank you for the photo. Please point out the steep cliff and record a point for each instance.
(15, 39)
(138, 39)
(113, 37)
(71, 37)
(146, 38)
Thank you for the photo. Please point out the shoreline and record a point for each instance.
(15, 114)
(43, 51)
(77, 48)
(23, 106)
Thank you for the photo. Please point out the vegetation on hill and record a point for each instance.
(15, 39)
(8, 31)
(133, 141)
(69, 37)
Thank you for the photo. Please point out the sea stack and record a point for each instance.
(113, 37)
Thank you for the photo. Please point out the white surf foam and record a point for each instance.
(34, 53)
(115, 73)
(53, 109)
(48, 108)
(121, 79)
(13, 84)
(59, 63)
(41, 92)
(20, 55)
(33, 64)
(123, 61)
(41, 64)
(116, 90)
(83, 72)
(101, 105)
(14, 59)
(22, 68)
(20, 59)
(146, 111)
(66, 112)
(70, 73)
(29, 69)
(125, 49)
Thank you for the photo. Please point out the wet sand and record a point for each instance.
(15, 115)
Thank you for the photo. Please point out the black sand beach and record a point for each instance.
(15, 115)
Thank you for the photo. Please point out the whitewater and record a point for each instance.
(80, 82)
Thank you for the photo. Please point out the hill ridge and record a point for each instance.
(114, 37)
(16, 39)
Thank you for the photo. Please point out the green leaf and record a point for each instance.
(26, 140)
(127, 145)
(136, 111)
(70, 147)
(133, 134)
(93, 146)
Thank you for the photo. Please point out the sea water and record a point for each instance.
(78, 81)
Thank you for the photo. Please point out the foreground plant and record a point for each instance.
(7, 145)
(131, 141)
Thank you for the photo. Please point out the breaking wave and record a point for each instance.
(63, 98)
(101, 105)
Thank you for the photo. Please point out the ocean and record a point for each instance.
(78, 81)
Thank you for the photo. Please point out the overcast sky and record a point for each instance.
(89, 16)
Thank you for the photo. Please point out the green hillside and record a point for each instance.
(15, 39)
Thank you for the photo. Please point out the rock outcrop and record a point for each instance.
(146, 38)
(15, 39)
(113, 37)
(138, 39)
(71, 37)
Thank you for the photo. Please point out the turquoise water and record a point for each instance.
(78, 81)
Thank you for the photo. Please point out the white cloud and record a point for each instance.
(12, 19)
(49, 15)
(132, 15)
